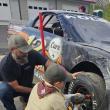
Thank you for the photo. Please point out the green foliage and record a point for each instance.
(106, 10)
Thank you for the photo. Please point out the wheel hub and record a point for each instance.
(88, 104)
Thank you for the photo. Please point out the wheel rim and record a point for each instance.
(88, 104)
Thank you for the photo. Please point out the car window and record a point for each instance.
(51, 21)
(51, 24)
(46, 19)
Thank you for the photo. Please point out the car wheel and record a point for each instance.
(89, 84)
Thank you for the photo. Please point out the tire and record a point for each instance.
(89, 83)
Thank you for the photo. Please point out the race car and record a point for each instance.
(81, 43)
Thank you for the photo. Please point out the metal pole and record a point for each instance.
(56, 4)
(20, 9)
(42, 33)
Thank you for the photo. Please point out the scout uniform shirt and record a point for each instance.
(50, 101)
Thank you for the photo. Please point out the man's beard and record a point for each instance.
(20, 60)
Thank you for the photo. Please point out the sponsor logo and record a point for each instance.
(55, 48)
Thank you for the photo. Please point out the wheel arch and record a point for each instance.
(87, 66)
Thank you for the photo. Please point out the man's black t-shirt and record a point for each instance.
(10, 70)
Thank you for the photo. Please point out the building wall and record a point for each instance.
(70, 6)
(34, 7)
(19, 8)
(20, 12)
(5, 13)
(14, 9)
(59, 4)
(52, 4)
(23, 9)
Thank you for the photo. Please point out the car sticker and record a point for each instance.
(85, 18)
(55, 48)
(36, 43)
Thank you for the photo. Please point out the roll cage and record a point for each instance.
(50, 24)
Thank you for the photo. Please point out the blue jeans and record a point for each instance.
(7, 94)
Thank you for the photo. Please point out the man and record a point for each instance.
(47, 95)
(17, 70)
(82, 9)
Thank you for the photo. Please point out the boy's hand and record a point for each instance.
(74, 75)
(78, 98)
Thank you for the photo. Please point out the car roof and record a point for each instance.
(63, 11)
(58, 12)
(71, 12)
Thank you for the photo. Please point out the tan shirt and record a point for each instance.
(54, 101)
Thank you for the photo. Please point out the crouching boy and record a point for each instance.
(47, 95)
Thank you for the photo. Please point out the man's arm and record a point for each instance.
(74, 75)
(18, 88)
(41, 60)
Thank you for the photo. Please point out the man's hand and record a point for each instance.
(40, 69)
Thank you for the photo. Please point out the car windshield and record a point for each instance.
(90, 28)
